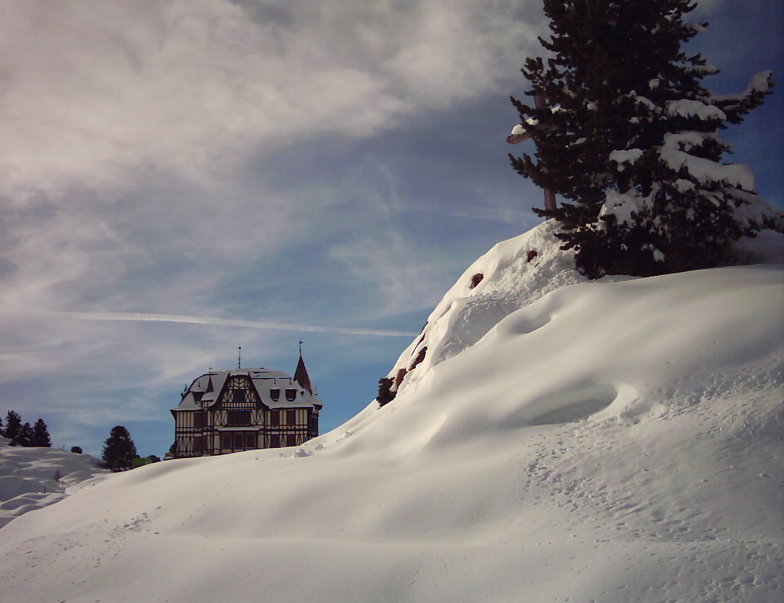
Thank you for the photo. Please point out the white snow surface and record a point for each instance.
(31, 478)
(562, 440)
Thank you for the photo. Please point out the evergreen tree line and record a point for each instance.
(23, 434)
(119, 450)
(627, 135)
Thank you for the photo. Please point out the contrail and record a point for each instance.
(229, 322)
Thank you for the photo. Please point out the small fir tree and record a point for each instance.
(629, 139)
(119, 449)
(41, 437)
(13, 427)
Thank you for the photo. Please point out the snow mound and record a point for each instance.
(32, 478)
(608, 441)
(511, 275)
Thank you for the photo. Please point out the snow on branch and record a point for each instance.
(621, 157)
(674, 153)
(694, 108)
(759, 84)
(624, 206)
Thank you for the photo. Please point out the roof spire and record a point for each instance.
(239, 356)
(301, 373)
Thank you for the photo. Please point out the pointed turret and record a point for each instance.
(301, 375)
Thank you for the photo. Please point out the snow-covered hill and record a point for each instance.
(31, 478)
(559, 440)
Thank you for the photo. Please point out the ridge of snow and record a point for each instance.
(509, 281)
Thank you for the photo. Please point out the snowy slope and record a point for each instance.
(31, 478)
(608, 441)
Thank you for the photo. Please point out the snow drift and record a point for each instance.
(616, 441)
(31, 478)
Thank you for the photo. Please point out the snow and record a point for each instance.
(629, 156)
(561, 440)
(695, 108)
(760, 82)
(28, 477)
(675, 154)
(624, 205)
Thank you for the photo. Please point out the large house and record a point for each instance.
(245, 409)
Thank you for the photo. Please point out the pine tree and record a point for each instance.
(119, 449)
(629, 139)
(41, 437)
(13, 427)
(25, 435)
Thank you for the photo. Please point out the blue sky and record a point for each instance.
(332, 165)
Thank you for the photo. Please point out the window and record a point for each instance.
(291, 395)
(291, 417)
(238, 395)
(238, 440)
(275, 394)
(198, 445)
(275, 417)
(274, 441)
(198, 419)
(238, 417)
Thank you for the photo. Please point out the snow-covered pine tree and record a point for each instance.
(629, 139)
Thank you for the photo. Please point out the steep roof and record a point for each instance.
(301, 376)
(205, 390)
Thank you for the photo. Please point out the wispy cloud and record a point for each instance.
(229, 322)
(126, 91)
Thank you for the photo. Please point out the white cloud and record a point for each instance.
(106, 94)
(229, 322)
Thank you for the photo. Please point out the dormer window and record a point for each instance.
(275, 394)
(291, 395)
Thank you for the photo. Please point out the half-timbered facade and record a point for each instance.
(245, 409)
